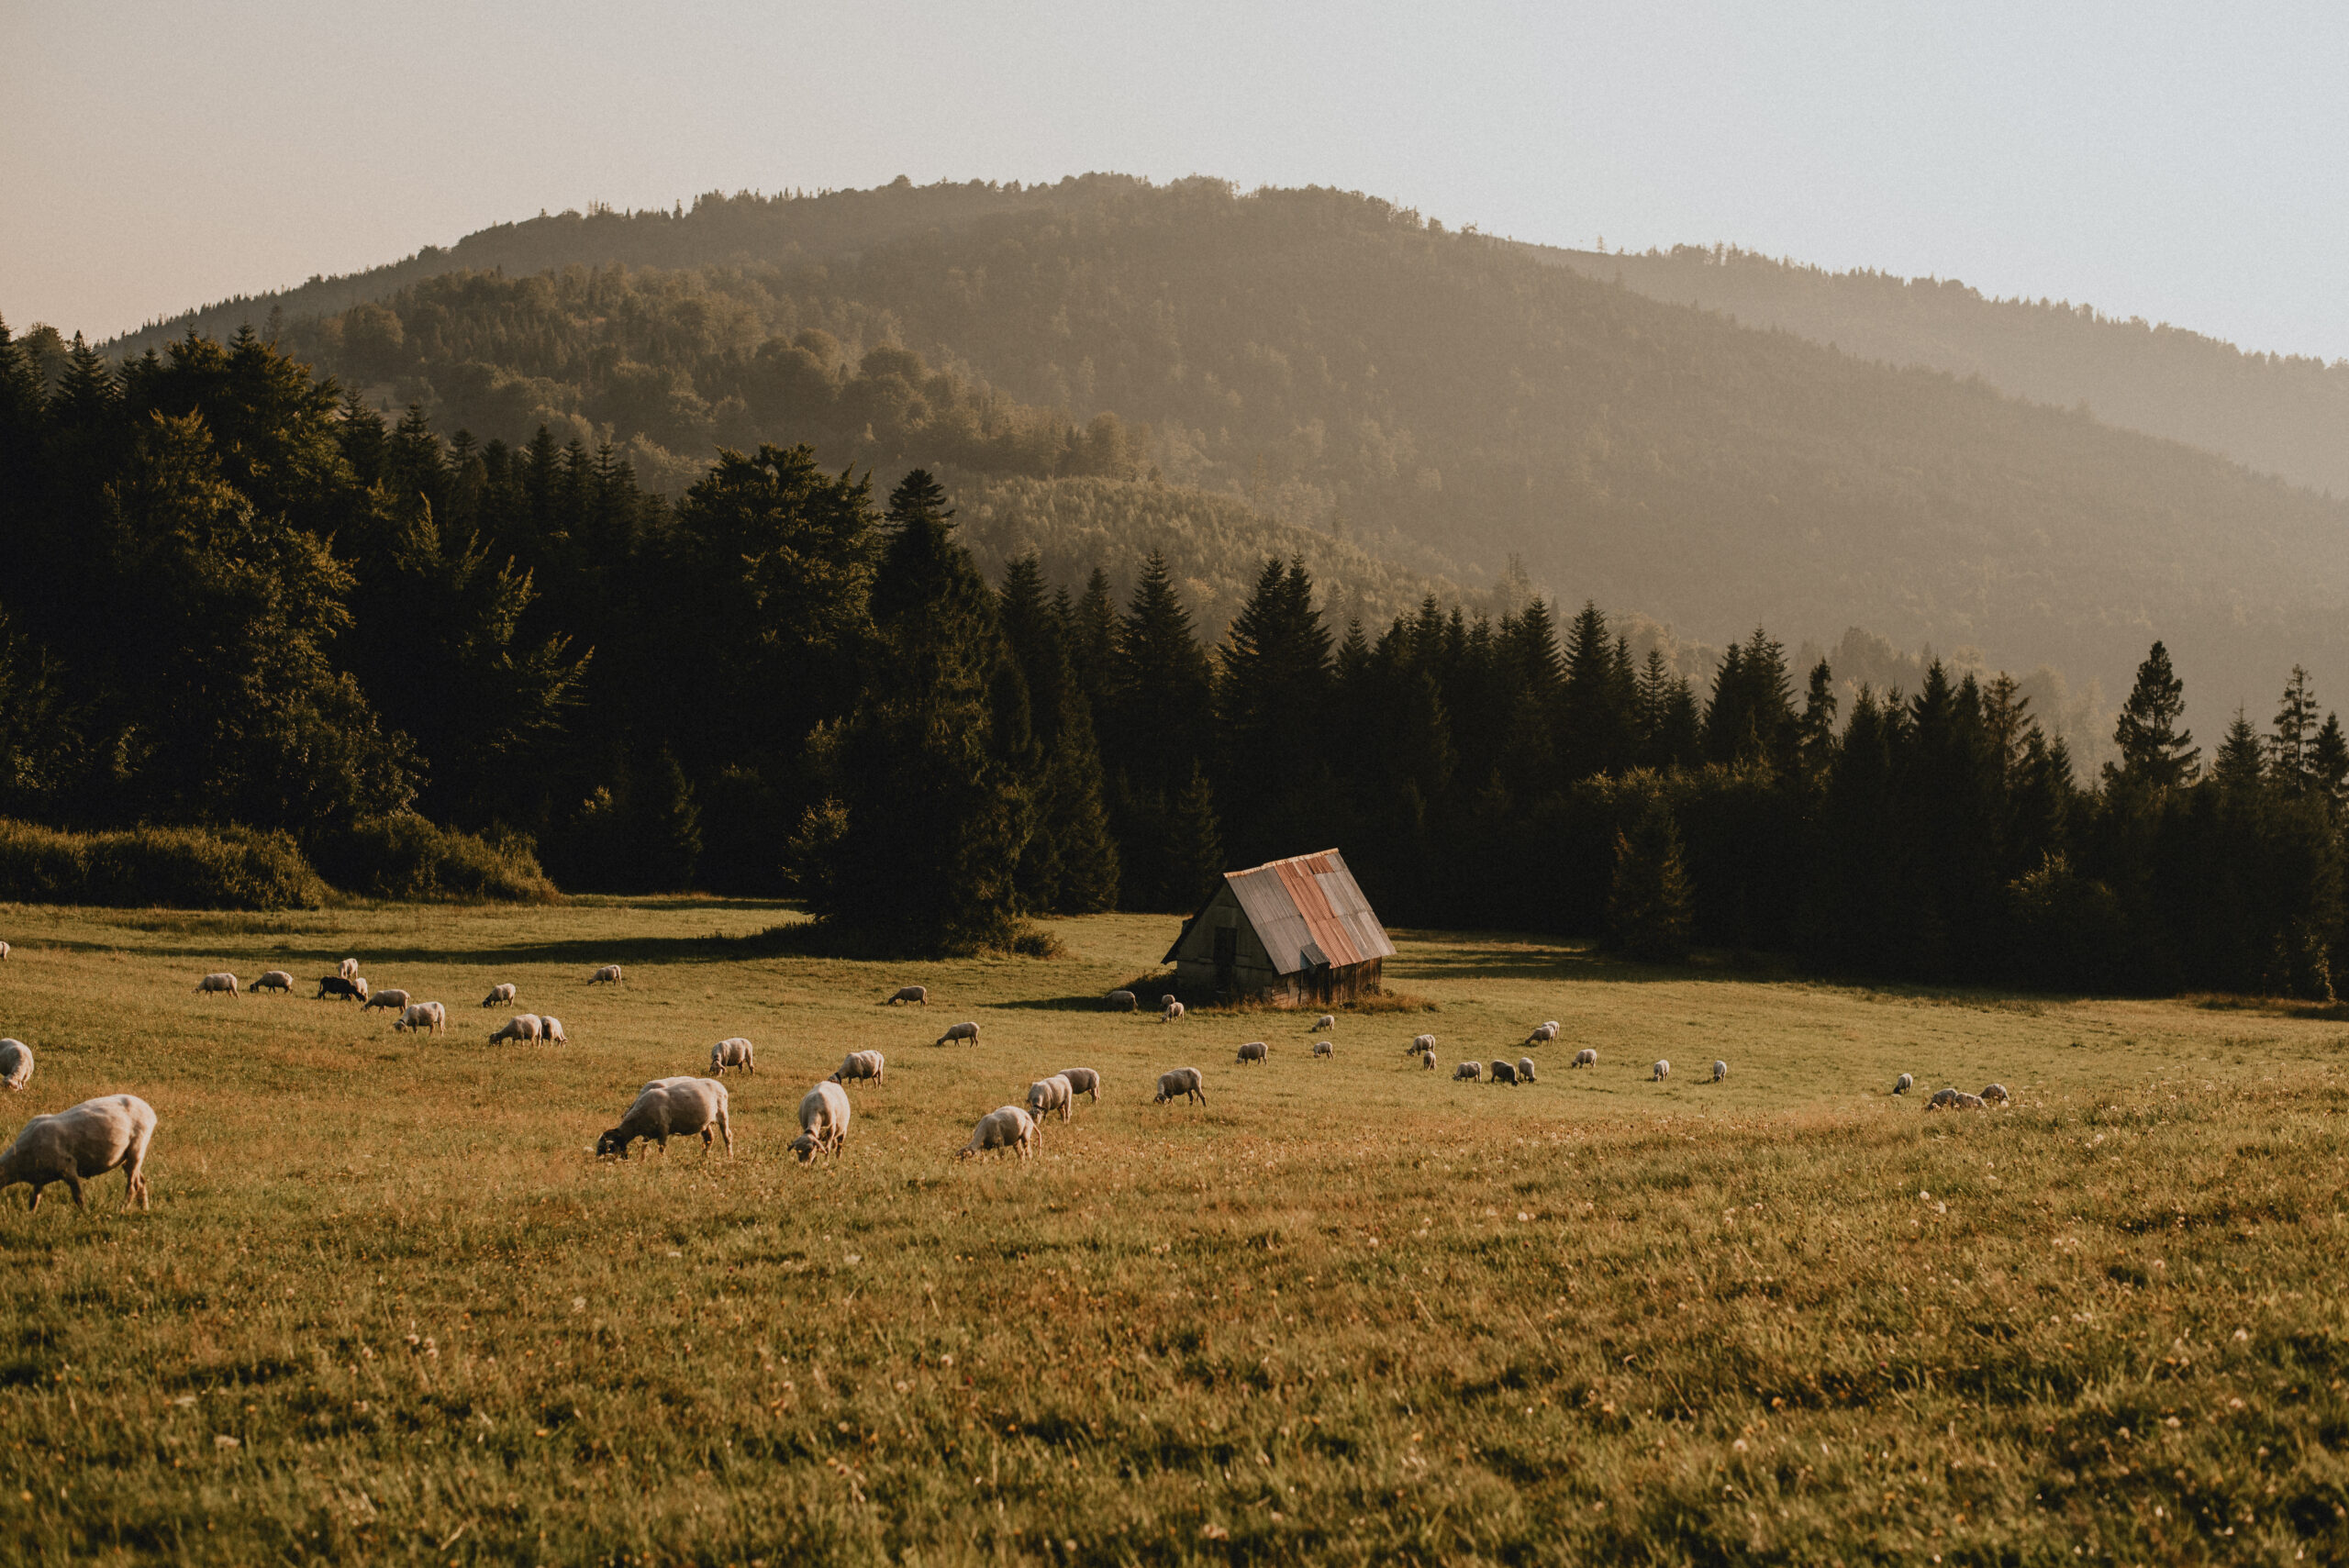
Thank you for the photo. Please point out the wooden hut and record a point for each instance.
(1289, 932)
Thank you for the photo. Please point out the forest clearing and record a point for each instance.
(387, 1305)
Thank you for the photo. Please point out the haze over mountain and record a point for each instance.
(1441, 398)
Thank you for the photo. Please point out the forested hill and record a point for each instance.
(1434, 396)
(2285, 414)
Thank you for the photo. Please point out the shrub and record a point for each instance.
(182, 868)
(405, 857)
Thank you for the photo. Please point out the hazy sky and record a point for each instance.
(2184, 163)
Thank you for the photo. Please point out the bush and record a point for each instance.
(405, 857)
(180, 868)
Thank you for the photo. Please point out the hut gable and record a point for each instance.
(1294, 929)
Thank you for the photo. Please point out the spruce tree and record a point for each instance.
(2328, 761)
(1816, 730)
(1194, 845)
(2295, 731)
(1593, 726)
(2154, 752)
(1650, 905)
(2239, 763)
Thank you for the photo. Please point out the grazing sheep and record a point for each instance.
(1720, 1071)
(824, 1116)
(520, 1027)
(1503, 1073)
(1585, 1057)
(917, 994)
(4, 949)
(861, 1064)
(734, 1052)
(608, 976)
(1420, 1045)
(497, 995)
(551, 1030)
(81, 1144)
(1325, 1021)
(1903, 1083)
(1007, 1127)
(1322, 1048)
(215, 983)
(430, 1016)
(1427, 1059)
(1996, 1093)
(1120, 1002)
(1525, 1070)
(1472, 1070)
(672, 1108)
(1660, 1071)
(1046, 1095)
(969, 1031)
(348, 969)
(1252, 1052)
(1544, 1033)
(1180, 1084)
(16, 1065)
(395, 1000)
(275, 979)
(341, 990)
(1082, 1081)
(1169, 1010)
(1943, 1099)
(1959, 1100)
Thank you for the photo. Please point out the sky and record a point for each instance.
(2179, 162)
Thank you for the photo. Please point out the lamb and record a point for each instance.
(395, 1000)
(1587, 1057)
(1180, 1084)
(672, 1107)
(824, 1116)
(1903, 1083)
(348, 969)
(1420, 1045)
(344, 990)
(520, 1027)
(1472, 1070)
(1048, 1095)
(1720, 1071)
(1252, 1052)
(81, 1144)
(430, 1016)
(917, 994)
(1943, 1099)
(1007, 1127)
(1120, 1002)
(275, 979)
(1322, 1048)
(551, 1030)
(1525, 1070)
(1503, 1073)
(1996, 1093)
(732, 1053)
(223, 982)
(969, 1031)
(16, 1065)
(862, 1064)
(497, 995)
(1544, 1033)
(1082, 1081)
(1169, 1010)
(1427, 1059)
(608, 976)
(1660, 1071)
(1325, 1021)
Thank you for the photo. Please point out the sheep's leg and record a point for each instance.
(35, 1202)
(73, 1185)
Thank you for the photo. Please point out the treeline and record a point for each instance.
(234, 599)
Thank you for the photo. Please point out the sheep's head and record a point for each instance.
(613, 1142)
(804, 1147)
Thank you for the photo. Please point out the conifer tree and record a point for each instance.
(2154, 753)
(1195, 847)
(1594, 727)
(2239, 763)
(1650, 906)
(2295, 731)
(2328, 761)
(1816, 730)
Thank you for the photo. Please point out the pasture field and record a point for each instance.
(387, 1306)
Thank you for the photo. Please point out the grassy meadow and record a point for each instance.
(388, 1307)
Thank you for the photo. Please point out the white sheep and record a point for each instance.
(1543, 1032)
(1996, 1093)
(1322, 1048)
(275, 979)
(1903, 1083)
(83, 1144)
(348, 969)
(1587, 1057)
(16, 1065)
(394, 999)
(1252, 1052)
(1525, 1070)
(1720, 1071)
(862, 1064)
(1504, 1073)
(520, 1027)
(734, 1051)
(430, 1016)
(222, 984)
(1427, 1059)
(497, 995)
(1472, 1070)
(1169, 1010)
(1007, 1127)
(1180, 1084)
(1943, 1099)
(969, 1031)
(608, 976)
(824, 1116)
(672, 1108)
(1420, 1045)
(919, 994)
(1120, 1002)
(4, 949)
(1961, 1101)
(551, 1030)
(1082, 1081)
(1660, 1071)
(1046, 1095)
(1325, 1021)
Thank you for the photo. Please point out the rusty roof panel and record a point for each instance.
(1310, 901)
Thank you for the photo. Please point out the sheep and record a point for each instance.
(1323, 1049)
(1252, 1052)
(395, 1000)
(1007, 1127)
(1325, 1021)
(672, 1107)
(497, 995)
(1903, 1083)
(1955, 1100)
(824, 1116)
(1420, 1045)
(1046, 1095)
(1120, 1002)
(862, 1064)
(1587, 1057)
(969, 1031)
(1660, 1071)
(348, 969)
(1544, 1033)
(1996, 1093)
(275, 979)
(1503, 1073)
(916, 993)
(1525, 1070)
(4, 949)
(1082, 1081)
(608, 976)
(1720, 1071)
(1943, 1099)
(430, 1016)
(1472, 1070)
(551, 1030)
(215, 985)
(1169, 1010)
(16, 1065)
(520, 1027)
(1180, 1084)
(735, 1051)
(1427, 1059)
(340, 989)
(80, 1144)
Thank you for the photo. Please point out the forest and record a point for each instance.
(235, 600)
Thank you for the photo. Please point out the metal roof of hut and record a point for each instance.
(1307, 910)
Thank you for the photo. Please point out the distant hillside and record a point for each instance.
(1433, 396)
(2282, 415)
